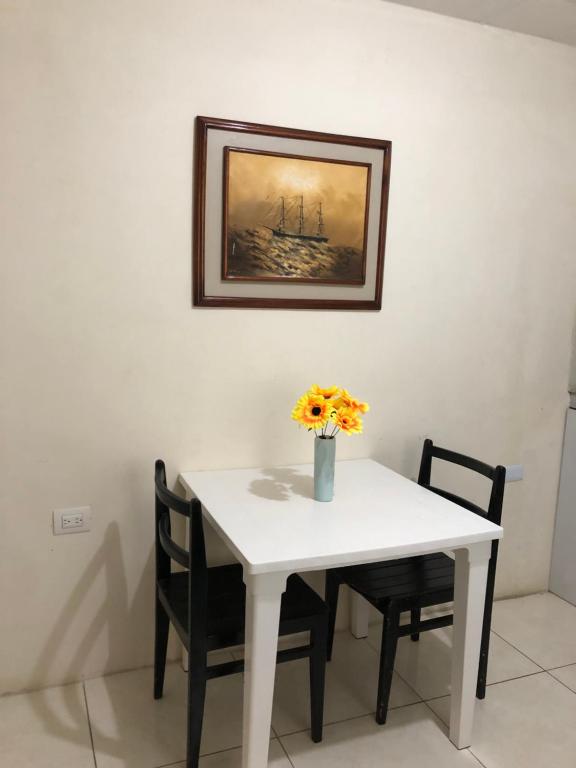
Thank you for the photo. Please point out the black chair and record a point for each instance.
(413, 583)
(206, 607)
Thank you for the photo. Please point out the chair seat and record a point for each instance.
(226, 605)
(422, 577)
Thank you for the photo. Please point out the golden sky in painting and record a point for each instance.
(256, 183)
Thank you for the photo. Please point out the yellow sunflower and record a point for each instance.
(326, 393)
(345, 400)
(313, 411)
(347, 420)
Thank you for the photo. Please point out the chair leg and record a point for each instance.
(486, 624)
(160, 646)
(482, 669)
(415, 619)
(484, 649)
(317, 678)
(387, 657)
(196, 697)
(331, 597)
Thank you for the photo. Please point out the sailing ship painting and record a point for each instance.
(294, 219)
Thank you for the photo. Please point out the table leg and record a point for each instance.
(263, 598)
(471, 568)
(359, 615)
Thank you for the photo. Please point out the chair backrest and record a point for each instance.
(496, 474)
(194, 558)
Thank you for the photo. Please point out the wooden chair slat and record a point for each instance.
(173, 550)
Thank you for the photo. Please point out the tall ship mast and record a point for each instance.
(298, 232)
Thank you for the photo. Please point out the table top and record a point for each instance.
(270, 521)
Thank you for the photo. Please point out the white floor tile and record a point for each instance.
(426, 665)
(411, 738)
(351, 686)
(132, 730)
(233, 759)
(527, 722)
(541, 626)
(566, 675)
(45, 729)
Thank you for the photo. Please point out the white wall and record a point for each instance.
(572, 386)
(106, 363)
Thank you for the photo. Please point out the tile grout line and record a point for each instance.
(496, 682)
(354, 717)
(340, 722)
(469, 750)
(207, 754)
(515, 677)
(326, 725)
(202, 756)
(420, 700)
(89, 724)
(395, 672)
(560, 681)
(407, 684)
(285, 752)
(518, 649)
(436, 716)
(489, 685)
(447, 727)
(221, 751)
(562, 666)
(544, 669)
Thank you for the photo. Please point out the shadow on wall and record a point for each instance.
(107, 561)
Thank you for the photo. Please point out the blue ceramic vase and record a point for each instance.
(324, 457)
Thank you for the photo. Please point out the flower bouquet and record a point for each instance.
(327, 412)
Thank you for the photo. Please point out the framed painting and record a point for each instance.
(286, 218)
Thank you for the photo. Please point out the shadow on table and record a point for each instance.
(279, 484)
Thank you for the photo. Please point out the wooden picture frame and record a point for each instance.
(257, 246)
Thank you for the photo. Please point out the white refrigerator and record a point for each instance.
(563, 569)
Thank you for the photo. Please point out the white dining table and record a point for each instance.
(271, 523)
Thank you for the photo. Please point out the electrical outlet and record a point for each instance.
(73, 520)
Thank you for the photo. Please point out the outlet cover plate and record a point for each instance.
(71, 520)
